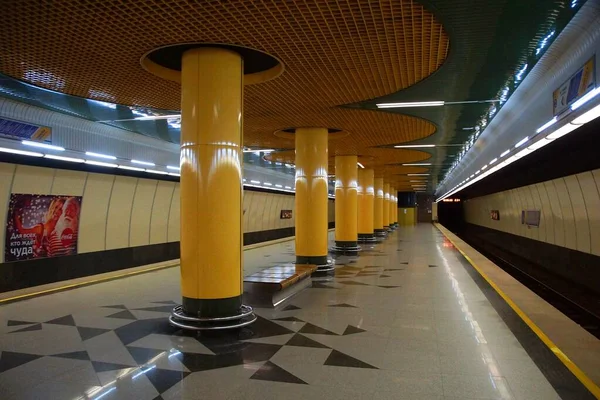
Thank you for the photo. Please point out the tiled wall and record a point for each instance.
(119, 212)
(570, 211)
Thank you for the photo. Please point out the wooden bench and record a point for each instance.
(273, 285)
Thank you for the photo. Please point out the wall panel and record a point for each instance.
(569, 211)
(159, 220)
(7, 172)
(33, 180)
(119, 212)
(591, 197)
(174, 216)
(578, 208)
(139, 230)
(68, 182)
(94, 208)
(559, 229)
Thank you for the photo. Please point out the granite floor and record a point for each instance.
(405, 320)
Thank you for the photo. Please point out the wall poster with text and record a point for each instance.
(39, 226)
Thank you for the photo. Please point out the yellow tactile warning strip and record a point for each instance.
(335, 52)
(579, 374)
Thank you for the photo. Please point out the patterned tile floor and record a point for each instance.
(405, 320)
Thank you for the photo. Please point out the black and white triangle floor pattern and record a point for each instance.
(164, 367)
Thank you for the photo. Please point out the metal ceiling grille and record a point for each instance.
(335, 52)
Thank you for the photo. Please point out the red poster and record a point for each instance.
(39, 226)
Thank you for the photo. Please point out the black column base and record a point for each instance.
(380, 233)
(212, 314)
(325, 265)
(350, 248)
(366, 238)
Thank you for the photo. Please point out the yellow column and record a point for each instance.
(392, 207)
(366, 199)
(346, 208)
(211, 182)
(311, 196)
(395, 207)
(386, 206)
(378, 209)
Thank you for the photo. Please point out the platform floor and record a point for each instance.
(409, 319)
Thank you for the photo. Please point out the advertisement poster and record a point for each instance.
(39, 226)
(575, 87)
(24, 131)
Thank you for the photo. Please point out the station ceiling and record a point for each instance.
(341, 58)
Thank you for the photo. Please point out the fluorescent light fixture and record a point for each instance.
(91, 154)
(130, 168)
(155, 117)
(289, 166)
(255, 182)
(493, 161)
(268, 184)
(69, 159)
(416, 164)
(42, 145)
(21, 152)
(173, 168)
(411, 104)
(562, 131)
(505, 153)
(258, 150)
(588, 116)
(590, 95)
(360, 165)
(546, 125)
(411, 146)
(174, 174)
(101, 164)
(539, 144)
(288, 187)
(279, 186)
(153, 171)
(469, 128)
(417, 174)
(477, 172)
(150, 164)
(522, 142)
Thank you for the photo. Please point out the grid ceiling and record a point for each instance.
(335, 52)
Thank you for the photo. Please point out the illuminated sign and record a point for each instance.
(451, 200)
(575, 87)
(285, 214)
